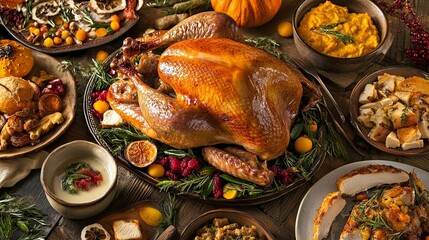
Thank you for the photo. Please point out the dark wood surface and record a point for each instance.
(278, 215)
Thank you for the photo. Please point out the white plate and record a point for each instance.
(315, 195)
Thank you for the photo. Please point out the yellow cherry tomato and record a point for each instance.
(101, 55)
(69, 41)
(80, 35)
(151, 216)
(115, 18)
(313, 126)
(114, 25)
(156, 170)
(48, 42)
(58, 40)
(303, 144)
(101, 106)
(285, 29)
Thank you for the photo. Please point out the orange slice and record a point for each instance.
(141, 153)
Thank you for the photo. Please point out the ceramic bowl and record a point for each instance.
(85, 205)
(239, 217)
(354, 108)
(335, 64)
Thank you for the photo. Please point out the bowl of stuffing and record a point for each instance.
(226, 224)
(389, 109)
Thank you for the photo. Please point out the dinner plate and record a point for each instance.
(49, 64)
(315, 195)
(21, 37)
(94, 126)
(354, 108)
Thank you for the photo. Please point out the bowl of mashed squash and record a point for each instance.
(340, 35)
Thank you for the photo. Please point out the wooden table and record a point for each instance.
(278, 215)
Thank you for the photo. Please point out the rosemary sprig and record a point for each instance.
(328, 29)
(199, 183)
(191, 6)
(66, 13)
(269, 45)
(168, 210)
(76, 68)
(163, 3)
(28, 7)
(245, 188)
(180, 153)
(120, 137)
(335, 144)
(104, 80)
(19, 217)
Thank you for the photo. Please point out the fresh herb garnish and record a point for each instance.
(328, 29)
(269, 45)
(78, 171)
(28, 7)
(66, 13)
(168, 212)
(19, 217)
(181, 6)
(104, 79)
(180, 153)
(404, 115)
(77, 69)
(120, 137)
(200, 183)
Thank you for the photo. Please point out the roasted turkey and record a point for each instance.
(215, 91)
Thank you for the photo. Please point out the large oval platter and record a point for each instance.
(49, 64)
(21, 37)
(94, 126)
(315, 195)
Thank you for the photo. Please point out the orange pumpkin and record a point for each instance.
(248, 13)
(15, 59)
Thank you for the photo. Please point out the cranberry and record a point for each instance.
(217, 186)
(175, 165)
(54, 86)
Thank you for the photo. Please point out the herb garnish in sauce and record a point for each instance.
(80, 176)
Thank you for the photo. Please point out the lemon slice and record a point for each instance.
(43, 10)
(110, 6)
(94, 232)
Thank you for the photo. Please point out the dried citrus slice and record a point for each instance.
(94, 232)
(43, 10)
(109, 6)
(141, 153)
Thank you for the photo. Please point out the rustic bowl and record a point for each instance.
(239, 217)
(336, 64)
(61, 157)
(354, 108)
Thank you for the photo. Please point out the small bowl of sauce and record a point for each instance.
(79, 179)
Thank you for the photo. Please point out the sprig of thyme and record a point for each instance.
(328, 29)
(19, 217)
(28, 7)
(163, 3)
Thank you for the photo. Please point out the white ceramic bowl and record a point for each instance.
(62, 157)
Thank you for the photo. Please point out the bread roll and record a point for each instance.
(15, 94)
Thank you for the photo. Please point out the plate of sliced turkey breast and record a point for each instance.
(365, 200)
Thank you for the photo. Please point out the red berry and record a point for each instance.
(217, 186)
(175, 165)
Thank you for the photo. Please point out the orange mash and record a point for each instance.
(332, 30)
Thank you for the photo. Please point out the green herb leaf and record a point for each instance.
(180, 153)
(328, 30)
(120, 137)
(404, 115)
(67, 182)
